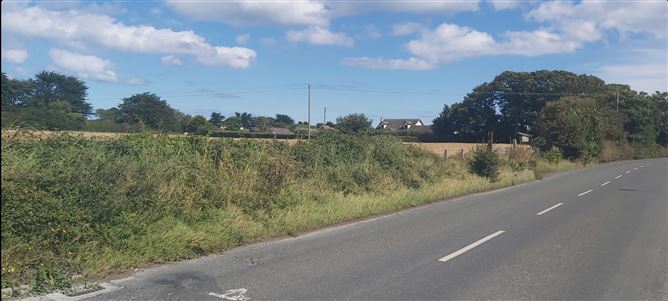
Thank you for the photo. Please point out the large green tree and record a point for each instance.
(216, 119)
(353, 123)
(149, 109)
(573, 124)
(50, 87)
(15, 93)
(233, 123)
(283, 120)
(198, 125)
(511, 103)
(246, 119)
(468, 120)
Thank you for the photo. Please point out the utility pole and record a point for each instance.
(617, 101)
(309, 110)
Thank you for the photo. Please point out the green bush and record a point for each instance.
(552, 156)
(49, 279)
(485, 163)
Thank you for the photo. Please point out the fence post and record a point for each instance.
(490, 139)
(445, 153)
(461, 153)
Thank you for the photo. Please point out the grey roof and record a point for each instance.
(524, 134)
(397, 124)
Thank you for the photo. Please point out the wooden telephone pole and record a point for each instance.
(309, 111)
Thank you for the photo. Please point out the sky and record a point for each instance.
(386, 59)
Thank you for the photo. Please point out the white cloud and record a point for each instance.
(319, 36)
(644, 70)
(307, 12)
(642, 76)
(346, 8)
(170, 60)
(14, 56)
(625, 17)
(103, 30)
(534, 43)
(451, 42)
(389, 64)
(299, 12)
(407, 28)
(505, 4)
(84, 66)
(242, 39)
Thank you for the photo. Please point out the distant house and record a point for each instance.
(399, 124)
(523, 137)
(280, 131)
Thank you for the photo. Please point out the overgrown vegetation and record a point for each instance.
(83, 206)
(485, 163)
(94, 205)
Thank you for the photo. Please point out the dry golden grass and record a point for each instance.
(455, 149)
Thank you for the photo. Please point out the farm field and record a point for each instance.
(454, 148)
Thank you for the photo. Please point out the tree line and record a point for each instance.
(55, 101)
(575, 113)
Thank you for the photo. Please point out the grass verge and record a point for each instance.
(72, 205)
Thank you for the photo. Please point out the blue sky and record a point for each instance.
(387, 59)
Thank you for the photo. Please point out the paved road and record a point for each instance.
(596, 233)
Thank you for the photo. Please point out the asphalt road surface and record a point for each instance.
(595, 233)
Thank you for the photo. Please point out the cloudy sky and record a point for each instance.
(382, 58)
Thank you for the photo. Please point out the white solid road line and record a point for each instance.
(628, 171)
(588, 191)
(606, 183)
(619, 176)
(471, 246)
(548, 209)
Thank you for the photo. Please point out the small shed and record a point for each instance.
(524, 137)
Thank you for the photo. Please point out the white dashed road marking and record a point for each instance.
(619, 176)
(471, 246)
(234, 295)
(606, 183)
(588, 191)
(548, 209)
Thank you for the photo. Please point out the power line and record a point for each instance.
(220, 93)
(452, 93)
